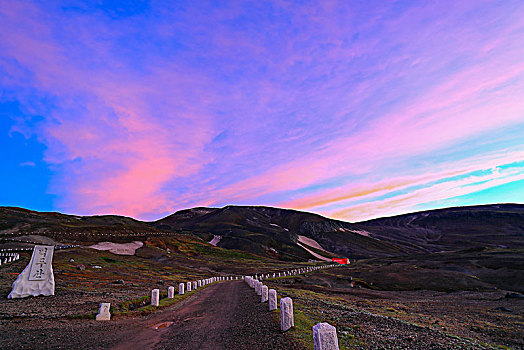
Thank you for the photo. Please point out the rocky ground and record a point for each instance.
(422, 319)
(392, 304)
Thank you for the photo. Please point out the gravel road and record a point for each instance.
(226, 315)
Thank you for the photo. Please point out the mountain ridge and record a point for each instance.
(271, 231)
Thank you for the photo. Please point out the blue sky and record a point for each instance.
(353, 110)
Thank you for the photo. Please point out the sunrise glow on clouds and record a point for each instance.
(352, 109)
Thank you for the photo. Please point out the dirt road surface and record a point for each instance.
(226, 315)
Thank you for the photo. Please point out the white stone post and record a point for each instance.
(272, 298)
(199, 283)
(155, 295)
(286, 314)
(181, 289)
(103, 312)
(171, 292)
(194, 285)
(264, 294)
(325, 337)
(188, 287)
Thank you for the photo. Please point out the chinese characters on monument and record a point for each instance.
(37, 278)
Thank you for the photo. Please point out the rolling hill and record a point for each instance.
(274, 232)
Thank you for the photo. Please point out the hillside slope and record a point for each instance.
(274, 232)
(451, 229)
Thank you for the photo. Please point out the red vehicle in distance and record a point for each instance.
(341, 260)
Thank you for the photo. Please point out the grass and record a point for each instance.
(303, 329)
(141, 306)
(305, 318)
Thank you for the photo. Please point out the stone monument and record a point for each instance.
(37, 278)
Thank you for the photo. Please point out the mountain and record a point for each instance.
(452, 229)
(287, 234)
(256, 229)
(275, 231)
(19, 221)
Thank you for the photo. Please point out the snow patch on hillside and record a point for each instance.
(360, 232)
(118, 248)
(318, 256)
(279, 226)
(311, 242)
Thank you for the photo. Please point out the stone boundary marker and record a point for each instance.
(324, 334)
(155, 296)
(325, 337)
(272, 297)
(264, 294)
(181, 289)
(171, 292)
(103, 312)
(286, 314)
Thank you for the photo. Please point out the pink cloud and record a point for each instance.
(129, 149)
(178, 108)
(406, 202)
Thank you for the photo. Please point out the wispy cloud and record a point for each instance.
(314, 106)
(29, 164)
(435, 192)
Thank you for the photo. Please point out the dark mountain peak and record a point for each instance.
(468, 210)
(186, 214)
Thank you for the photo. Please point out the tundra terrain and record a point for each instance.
(413, 283)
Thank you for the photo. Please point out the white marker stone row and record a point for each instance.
(303, 270)
(253, 282)
(8, 257)
(324, 335)
(190, 286)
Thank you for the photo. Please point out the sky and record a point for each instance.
(350, 109)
